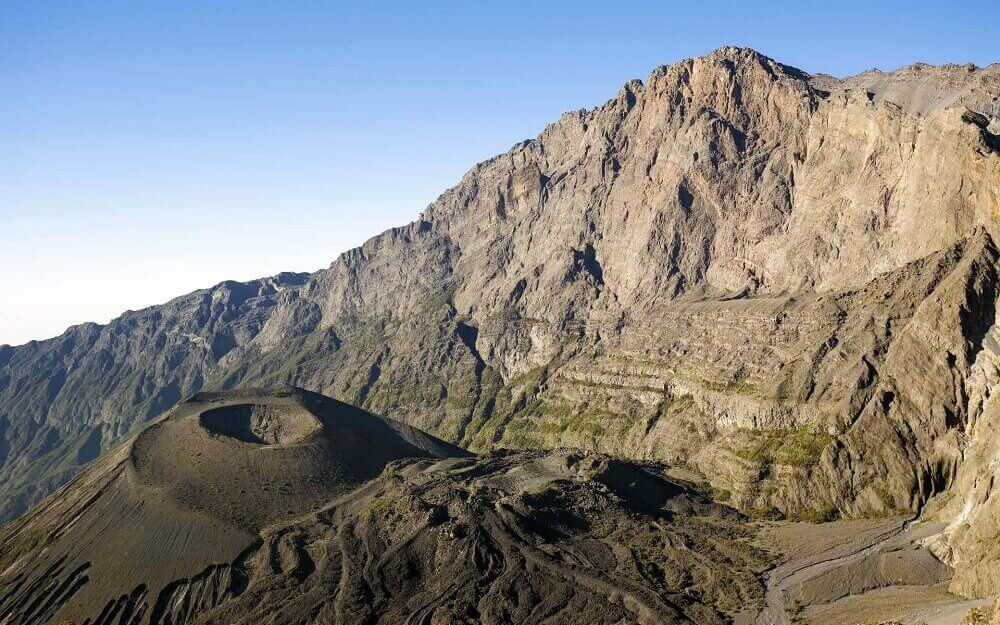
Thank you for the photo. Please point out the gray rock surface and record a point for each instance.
(344, 517)
(784, 280)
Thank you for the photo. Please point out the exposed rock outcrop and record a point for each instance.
(785, 280)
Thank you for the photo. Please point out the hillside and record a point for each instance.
(286, 506)
(786, 282)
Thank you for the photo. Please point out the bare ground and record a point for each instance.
(855, 572)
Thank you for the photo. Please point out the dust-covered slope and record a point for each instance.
(190, 494)
(783, 279)
(290, 507)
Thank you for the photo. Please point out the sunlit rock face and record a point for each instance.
(785, 281)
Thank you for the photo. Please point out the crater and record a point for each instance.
(260, 424)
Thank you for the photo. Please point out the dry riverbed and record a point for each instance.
(855, 572)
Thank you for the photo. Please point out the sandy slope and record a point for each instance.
(189, 495)
(288, 507)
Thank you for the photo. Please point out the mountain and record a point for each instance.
(785, 282)
(287, 506)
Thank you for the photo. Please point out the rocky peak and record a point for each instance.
(732, 252)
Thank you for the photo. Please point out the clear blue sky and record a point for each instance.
(151, 148)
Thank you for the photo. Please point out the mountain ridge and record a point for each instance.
(685, 254)
(722, 50)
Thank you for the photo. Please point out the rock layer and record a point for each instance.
(784, 280)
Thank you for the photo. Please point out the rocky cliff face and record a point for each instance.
(785, 281)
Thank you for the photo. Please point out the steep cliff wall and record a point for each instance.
(784, 280)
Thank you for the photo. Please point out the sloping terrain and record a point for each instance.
(286, 506)
(787, 282)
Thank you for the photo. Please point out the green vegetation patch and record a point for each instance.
(617, 387)
(14, 544)
(824, 515)
(794, 448)
(738, 385)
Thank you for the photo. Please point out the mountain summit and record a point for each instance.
(785, 281)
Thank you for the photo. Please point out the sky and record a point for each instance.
(150, 149)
